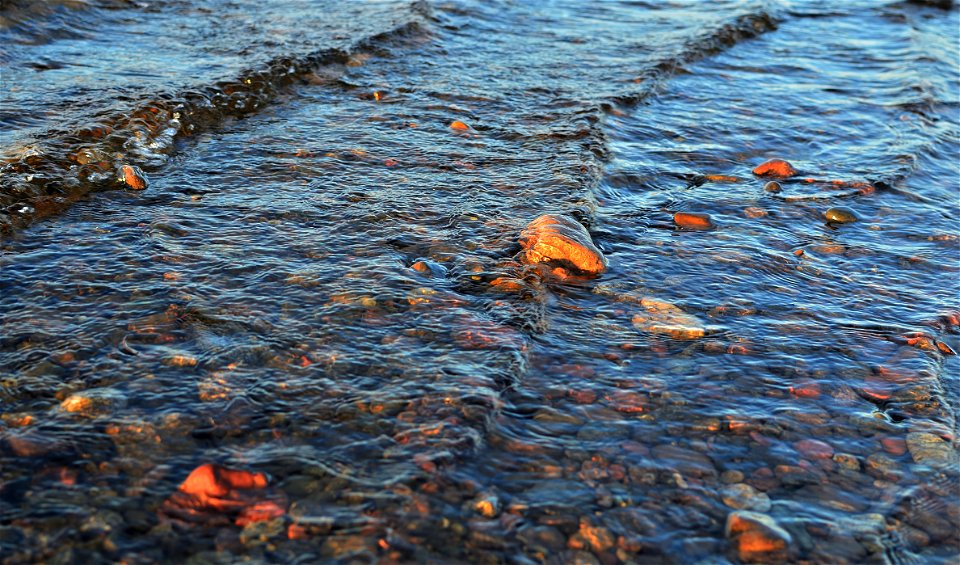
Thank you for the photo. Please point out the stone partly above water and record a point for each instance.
(757, 537)
(775, 168)
(840, 215)
(553, 238)
(665, 318)
(133, 177)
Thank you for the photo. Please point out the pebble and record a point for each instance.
(882, 466)
(772, 186)
(741, 496)
(664, 318)
(814, 449)
(687, 461)
(847, 461)
(754, 212)
(894, 445)
(487, 506)
(795, 475)
(930, 449)
(93, 402)
(732, 476)
(596, 538)
(31, 444)
(777, 168)
(556, 238)
(543, 539)
(459, 126)
(692, 221)
(133, 177)
(840, 215)
(757, 537)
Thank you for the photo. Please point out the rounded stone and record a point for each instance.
(840, 215)
(742, 496)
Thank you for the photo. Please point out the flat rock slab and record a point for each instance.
(665, 318)
(930, 449)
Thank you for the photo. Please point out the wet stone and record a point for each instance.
(93, 402)
(776, 168)
(545, 539)
(794, 475)
(687, 461)
(692, 221)
(554, 238)
(732, 476)
(664, 318)
(772, 186)
(133, 177)
(882, 466)
(840, 215)
(741, 496)
(834, 497)
(930, 449)
(814, 449)
(757, 537)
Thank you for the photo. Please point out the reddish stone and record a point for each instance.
(721, 178)
(459, 126)
(692, 221)
(626, 401)
(555, 238)
(757, 537)
(585, 396)
(776, 168)
(805, 389)
(814, 449)
(894, 445)
(259, 512)
(133, 177)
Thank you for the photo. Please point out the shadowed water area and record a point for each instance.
(321, 290)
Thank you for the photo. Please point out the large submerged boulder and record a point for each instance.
(553, 238)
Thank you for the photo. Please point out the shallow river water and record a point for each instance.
(320, 291)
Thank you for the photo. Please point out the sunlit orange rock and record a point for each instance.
(721, 178)
(775, 168)
(757, 537)
(133, 177)
(554, 238)
(506, 284)
(76, 403)
(180, 361)
(692, 221)
(216, 495)
(945, 349)
(259, 512)
(459, 126)
(212, 481)
(590, 537)
(919, 340)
